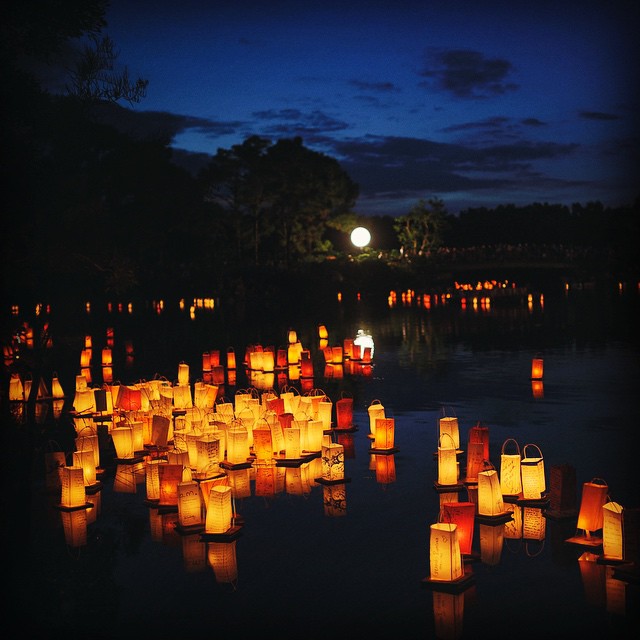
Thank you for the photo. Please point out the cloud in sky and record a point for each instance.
(480, 104)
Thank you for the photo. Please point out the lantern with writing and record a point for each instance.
(477, 451)
(385, 434)
(86, 460)
(445, 559)
(152, 478)
(189, 501)
(219, 512)
(510, 476)
(490, 502)
(208, 461)
(72, 487)
(333, 462)
(532, 473)
(463, 515)
(590, 516)
(612, 531)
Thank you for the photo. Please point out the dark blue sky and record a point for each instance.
(477, 103)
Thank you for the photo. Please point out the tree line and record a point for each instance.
(94, 210)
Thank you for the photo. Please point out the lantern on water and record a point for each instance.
(89, 440)
(447, 461)
(344, 413)
(449, 425)
(333, 462)
(56, 387)
(209, 456)
(594, 497)
(315, 431)
(16, 388)
(385, 434)
(463, 515)
(122, 437)
(231, 358)
(490, 502)
(445, 559)
(219, 512)
(292, 442)
(237, 443)
(189, 502)
(537, 368)
(375, 411)
(170, 478)
(84, 401)
(152, 478)
(477, 451)
(72, 487)
(532, 473)
(612, 531)
(510, 475)
(85, 459)
(183, 374)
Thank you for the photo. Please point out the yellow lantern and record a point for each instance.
(490, 502)
(385, 434)
(315, 431)
(152, 478)
(86, 461)
(231, 358)
(292, 442)
(219, 512)
(56, 387)
(375, 411)
(237, 443)
(122, 437)
(445, 559)
(532, 473)
(16, 388)
(72, 487)
(513, 527)
(510, 474)
(209, 457)
(190, 505)
(447, 461)
(183, 374)
(612, 531)
(449, 425)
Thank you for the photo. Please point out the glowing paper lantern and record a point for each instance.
(461, 514)
(190, 506)
(510, 475)
(72, 487)
(315, 431)
(344, 413)
(449, 425)
(86, 460)
(209, 457)
(219, 512)
(16, 388)
(333, 462)
(537, 368)
(56, 387)
(445, 558)
(375, 411)
(385, 434)
(490, 502)
(170, 478)
(447, 461)
(152, 478)
(477, 451)
(590, 516)
(292, 442)
(183, 374)
(122, 437)
(237, 443)
(532, 473)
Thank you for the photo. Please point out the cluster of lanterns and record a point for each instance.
(512, 501)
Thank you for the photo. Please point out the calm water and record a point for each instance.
(308, 566)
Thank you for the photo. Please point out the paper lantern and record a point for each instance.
(183, 374)
(237, 443)
(537, 368)
(129, 398)
(292, 447)
(190, 506)
(122, 437)
(325, 412)
(72, 487)
(510, 475)
(170, 478)
(594, 497)
(209, 456)
(449, 425)
(532, 473)
(477, 451)
(537, 389)
(447, 461)
(461, 514)
(231, 358)
(16, 388)
(84, 401)
(152, 478)
(182, 398)
(219, 512)
(562, 490)
(222, 559)
(315, 431)
(333, 462)
(89, 440)
(445, 559)
(344, 413)
(490, 502)
(86, 460)
(292, 336)
(56, 387)
(375, 411)
(385, 434)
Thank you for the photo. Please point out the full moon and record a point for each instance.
(360, 237)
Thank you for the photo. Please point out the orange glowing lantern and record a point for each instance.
(537, 368)
(385, 434)
(306, 364)
(209, 455)
(56, 387)
(86, 461)
(477, 451)
(122, 437)
(237, 443)
(590, 516)
(344, 413)
(463, 515)
(532, 473)
(292, 442)
(385, 466)
(152, 478)
(510, 475)
(170, 478)
(447, 461)
(183, 374)
(445, 558)
(262, 441)
(16, 388)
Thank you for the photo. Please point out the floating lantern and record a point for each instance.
(447, 461)
(219, 512)
(612, 531)
(129, 398)
(16, 388)
(84, 401)
(477, 451)
(189, 502)
(344, 413)
(490, 502)
(385, 434)
(86, 461)
(537, 368)
(72, 487)
(170, 478)
(364, 341)
(237, 443)
(122, 437)
(375, 411)
(562, 491)
(152, 478)
(590, 516)
(56, 387)
(333, 462)
(231, 358)
(461, 514)
(292, 447)
(210, 454)
(532, 473)
(183, 374)
(449, 425)
(510, 475)
(445, 559)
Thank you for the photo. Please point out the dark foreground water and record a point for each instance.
(317, 561)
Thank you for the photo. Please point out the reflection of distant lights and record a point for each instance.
(182, 304)
(15, 309)
(192, 312)
(463, 303)
(130, 307)
(339, 296)
(358, 296)
(541, 300)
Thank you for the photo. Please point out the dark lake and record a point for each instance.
(314, 560)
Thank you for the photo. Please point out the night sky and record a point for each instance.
(476, 103)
